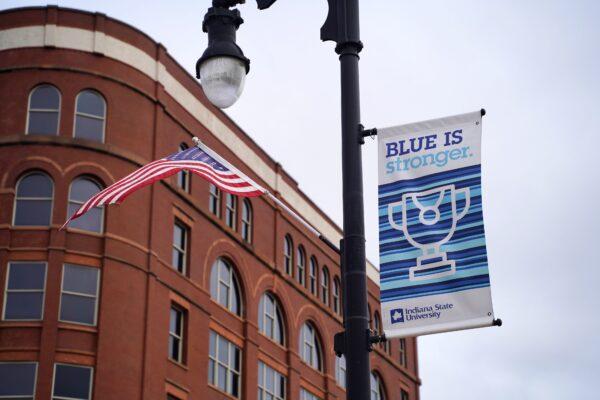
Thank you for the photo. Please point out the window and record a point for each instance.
(247, 221)
(301, 270)
(310, 349)
(171, 397)
(180, 245)
(214, 200)
(231, 210)
(340, 371)
(224, 288)
(325, 285)
(90, 115)
(79, 294)
(312, 275)
(378, 331)
(44, 111)
(288, 245)
(402, 345)
(336, 296)
(306, 395)
(72, 382)
(377, 392)
(183, 177)
(24, 299)
(176, 334)
(271, 384)
(81, 190)
(33, 202)
(270, 320)
(17, 380)
(224, 365)
(403, 394)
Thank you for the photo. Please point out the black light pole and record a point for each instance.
(342, 27)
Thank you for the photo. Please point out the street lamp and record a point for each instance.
(223, 67)
(342, 27)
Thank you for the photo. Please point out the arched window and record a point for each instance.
(370, 319)
(337, 308)
(224, 286)
(270, 319)
(81, 190)
(340, 371)
(90, 116)
(301, 263)
(183, 177)
(33, 202)
(310, 348)
(377, 390)
(312, 275)
(44, 111)
(377, 327)
(288, 262)
(247, 220)
(231, 210)
(325, 285)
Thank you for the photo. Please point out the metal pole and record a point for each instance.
(354, 272)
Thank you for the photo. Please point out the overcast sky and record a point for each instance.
(534, 66)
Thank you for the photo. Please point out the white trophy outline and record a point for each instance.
(431, 250)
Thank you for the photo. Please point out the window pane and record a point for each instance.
(45, 97)
(43, 123)
(223, 350)
(213, 344)
(27, 276)
(77, 309)
(90, 102)
(90, 221)
(24, 305)
(222, 377)
(82, 189)
(80, 279)
(72, 381)
(33, 212)
(89, 128)
(17, 379)
(35, 185)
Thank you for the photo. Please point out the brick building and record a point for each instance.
(182, 292)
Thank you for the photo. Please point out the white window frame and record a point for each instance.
(6, 290)
(181, 336)
(214, 197)
(35, 376)
(277, 316)
(262, 381)
(233, 284)
(403, 359)
(231, 210)
(307, 395)
(247, 220)
(313, 269)
(103, 118)
(378, 389)
(80, 203)
(214, 382)
(301, 266)
(325, 277)
(288, 255)
(53, 397)
(47, 110)
(340, 371)
(185, 235)
(17, 198)
(89, 296)
(315, 360)
(337, 304)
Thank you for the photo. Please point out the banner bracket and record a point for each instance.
(375, 339)
(366, 133)
(497, 322)
(339, 343)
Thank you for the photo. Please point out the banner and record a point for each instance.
(433, 260)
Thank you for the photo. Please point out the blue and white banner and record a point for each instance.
(433, 260)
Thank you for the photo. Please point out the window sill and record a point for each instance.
(178, 364)
(71, 326)
(228, 395)
(21, 323)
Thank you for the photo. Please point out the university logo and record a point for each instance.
(397, 315)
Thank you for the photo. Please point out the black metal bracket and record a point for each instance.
(366, 133)
(227, 3)
(482, 112)
(374, 339)
(497, 322)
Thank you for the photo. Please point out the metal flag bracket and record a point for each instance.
(366, 133)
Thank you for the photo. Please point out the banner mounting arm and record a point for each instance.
(366, 132)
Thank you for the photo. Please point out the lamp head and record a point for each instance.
(223, 67)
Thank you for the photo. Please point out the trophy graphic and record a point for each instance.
(429, 220)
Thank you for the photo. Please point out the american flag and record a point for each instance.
(199, 160)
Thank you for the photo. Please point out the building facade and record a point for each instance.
(183, 291)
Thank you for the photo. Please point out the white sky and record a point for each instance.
(534, 66)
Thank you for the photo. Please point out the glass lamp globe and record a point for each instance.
(222, 79)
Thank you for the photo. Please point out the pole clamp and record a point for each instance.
(374, 339)
(339, 344)
(366, 133)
